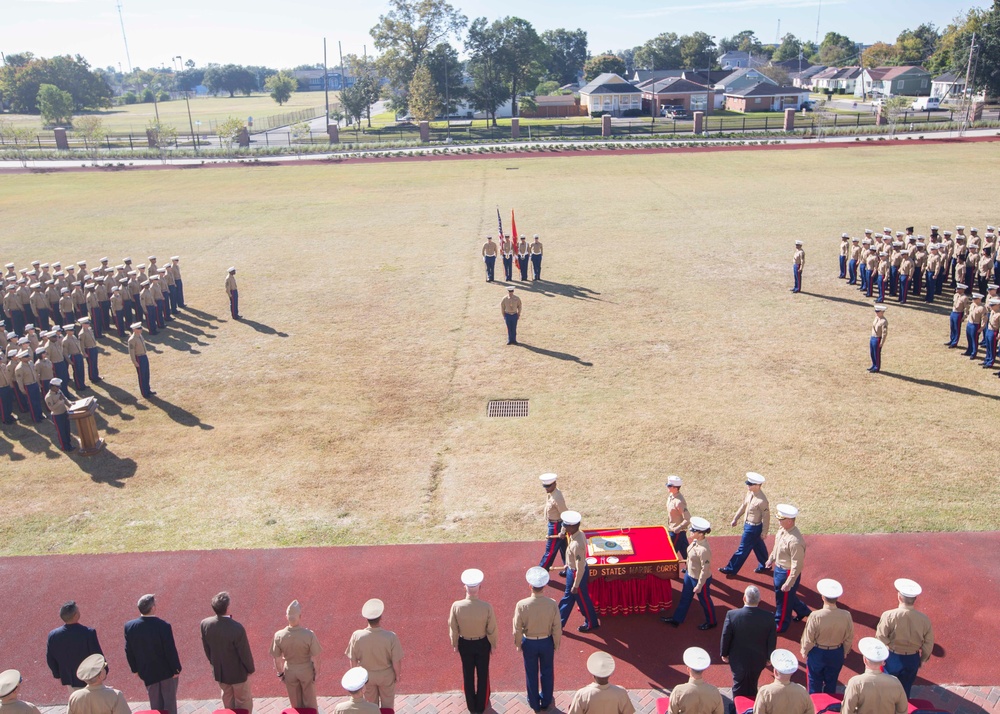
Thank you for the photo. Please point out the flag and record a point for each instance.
(499, 227)
(513, 230)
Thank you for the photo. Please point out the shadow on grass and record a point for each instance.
(191, 314)
(261, 327)
(565, 356)
(106, 467)
(179, 415)
(117, 397)
(941, 385)
(36, 437)
(550, 289)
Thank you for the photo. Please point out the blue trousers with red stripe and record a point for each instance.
(78, 379)
(796, 278)
(62, 371)
(161, 313)
(34, 401)
(875, 347)
(581, 598)
(843, 267)
(823, 669)
(97, 322)
(7, 405)
(955, 322)
(991, 347)
(680, 542)
(785, 603)
(904, 287)
(852, 271)
(142, 370)
(95, 375)
(904, 668)
(972, 335)
(553, 546)
(151, 319)
(61, 422)
(704, 599)
(234, 296)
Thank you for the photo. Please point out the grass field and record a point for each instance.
(350, 407)
(208, 110)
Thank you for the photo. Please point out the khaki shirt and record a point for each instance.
(43, 368)
(933, 263)
(146, 298)
(781, 698)
(357, 705)
(18, 707)
(537, 616)
(66, 305)
(678, 516)
(230, 283)
(98, 699)
(880, 327)
(789, 551)
(976, 314)
(827, 628)
(601, 699)
(959, 303)
(374, 649)
(699, 562)
(24, 374)
(986, 266)
(871, 261)
(156, 290)
(92, 301)
(38, 301)
(53, 348)
(845, 247)
(57, 402)
(6, 377)
(757, 510)
(907, 267)
(136, 348)
(555, 505)
(874, 693)
(296, 645)
(87, 340)
(472, 619)
(855, 252)
(71, 345)
(117, 303)
(906, 631)
(696, 696)
(992, 320)
(511, 305)
(576, 553)
(800, 258)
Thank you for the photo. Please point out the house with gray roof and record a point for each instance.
(611, 94)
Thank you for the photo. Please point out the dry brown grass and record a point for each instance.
(663, 341)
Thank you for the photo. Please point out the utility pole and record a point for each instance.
(343, 79)
(326, 83)
(967, 93)
(124, 38)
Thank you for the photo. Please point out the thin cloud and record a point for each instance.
(734, 5)
(52, 2)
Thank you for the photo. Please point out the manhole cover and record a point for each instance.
(507, 408)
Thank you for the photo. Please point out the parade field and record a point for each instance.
(350, 406)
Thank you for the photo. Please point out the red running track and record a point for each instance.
(418, 583)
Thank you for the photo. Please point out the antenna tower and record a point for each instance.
(124, 38)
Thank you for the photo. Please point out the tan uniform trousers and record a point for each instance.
(300, 681)
(381, 688)
(237, 696)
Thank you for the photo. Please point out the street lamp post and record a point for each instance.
(194, 137)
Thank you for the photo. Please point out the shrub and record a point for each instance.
(632, 113)
(130, 98)
(164, 97)
(596, 115)
(148, 96)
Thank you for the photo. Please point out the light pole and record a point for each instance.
(194, 137)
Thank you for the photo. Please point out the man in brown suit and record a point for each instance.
(228, 651)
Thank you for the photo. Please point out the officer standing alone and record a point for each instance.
(510, 308)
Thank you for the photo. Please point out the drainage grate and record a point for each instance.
(507, 408)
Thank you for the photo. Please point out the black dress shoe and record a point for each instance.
(707, 625)
(799, 618)
(670, 621)
(587, 628)
(762, 569)
(562, 573)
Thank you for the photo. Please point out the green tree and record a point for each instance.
(229, 129)
(602, 64)
(448, 75)
(661, 52)
(354, 102)
(567, 51)
(778, 74)
(837, 50)
(20, 136)
(280, 86)
(424, 100)
(917, 46)
(24, 74)
(488, 66)
(880, 55)
(161, 136)
(229, 78)
(952, 50)
(405, 35)
(988, 72)
(745, 41)
(547, 88)
(523, 54)
(788, 49)
(91, 129)
(697, 51)
(187, 80)
(55, 105)
(366, 82)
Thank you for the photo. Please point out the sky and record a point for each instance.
(290, 32)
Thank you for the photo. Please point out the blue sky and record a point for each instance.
(290, 32)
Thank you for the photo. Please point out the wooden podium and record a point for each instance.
(81, 412)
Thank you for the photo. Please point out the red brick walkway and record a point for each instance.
(958, 700)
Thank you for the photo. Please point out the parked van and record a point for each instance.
(926, 104)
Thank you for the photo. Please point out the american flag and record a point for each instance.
(513, 230)
(499, 227)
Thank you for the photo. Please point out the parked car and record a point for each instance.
(677, 114)
(669, 109)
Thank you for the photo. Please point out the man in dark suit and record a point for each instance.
(69, 645)
(152, 654)
(228, 651)
(748, 639)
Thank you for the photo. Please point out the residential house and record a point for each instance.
(559, 105)
(894, 81)
(804, 79)
(949, 85)
(765, 97)
(611, 94)
(734, 60)
(737, 80)
(673, 91)
(644, 75)
(836, 80)
(793, 65)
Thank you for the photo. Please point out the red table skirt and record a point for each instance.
(634, 595)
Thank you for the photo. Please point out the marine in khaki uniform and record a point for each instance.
(140, 360)
(852, 264)
(827, 639)
(354, 683)
(871, 266)
(233, 293)
(756, 514)
(787, 556)
(96, 698)
(537, 633)
(873, 691)
(380, 653)
(697, 578)
(959, 304)
(601, 697)
(845, 252)
(510, 309)
(555, 540)
(577, 590)
(696, 696)
(783, 696)
(472, 626)
(58, 406)
(10, 684)
(678, 516)
(974, 325)
(880, 331)
(294, 650)
(906, 271)
(798, 265)
(507, 254)
(907, 633)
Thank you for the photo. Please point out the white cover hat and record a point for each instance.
(537, 577)
(700, 524)
(472, 577)
(907, 587)
(601, 664)
(697, 659)
(756, 478)
(9, 679)
(372, 609)
(547, 479)
(571, 518)
(873, 649)
(90, 667)
(354, 679)
(674, 481)
(786, 510)
(784, 662)
(829, 588)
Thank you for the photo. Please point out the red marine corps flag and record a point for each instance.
(513, 230)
